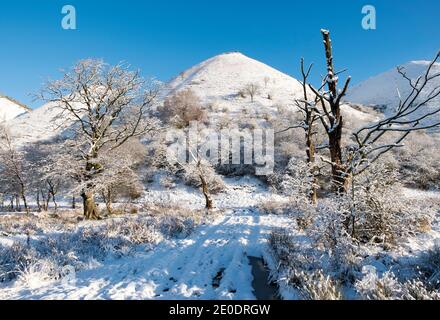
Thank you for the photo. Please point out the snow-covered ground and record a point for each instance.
(179, 268)
(185, 268)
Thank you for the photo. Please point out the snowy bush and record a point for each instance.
(295, 181)
(167, 181)
(373, 287)
(182, 108)
(420, 161)
(388, 287)
(19, 224)
(136, 230)
(377, 213)
(276, 207)
(191, 177)
(429, 266)
(299, 267)
(14, 257)
(316, 286)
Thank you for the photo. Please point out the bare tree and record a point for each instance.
(266, 81)
(106, 106)
(372, 141)
(13, 168)
(203, 170)
(252, 89)
(310, 117)
(331, 116)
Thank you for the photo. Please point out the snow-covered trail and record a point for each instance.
(176, 269)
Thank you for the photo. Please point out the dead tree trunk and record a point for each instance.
(23, 197)
(332, 119)
(310, 118)
(17, 203)
(54, 202)
(335, 132)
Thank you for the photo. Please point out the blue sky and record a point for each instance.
(163, 38)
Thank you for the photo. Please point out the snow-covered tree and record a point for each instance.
(252, 89)
(182, 108)
(371, 141)
(14, 170)
(106, 106)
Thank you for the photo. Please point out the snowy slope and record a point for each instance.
(223, 76)
(383, 89)
(38, 125)
(10, 109)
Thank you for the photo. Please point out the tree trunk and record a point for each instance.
(205, 190)
(89, 205)
(107, 197)
(311, 162)
(17, 203)
(54, 202)
(38, 201)
(90, 208)
(47, 200)
(311, 148)
(44, 205)
(339, 170)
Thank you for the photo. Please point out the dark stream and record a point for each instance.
(264, 289)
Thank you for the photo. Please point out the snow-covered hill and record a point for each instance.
(383, 90)
(222, 77)
(10, 109)
(38, 125)
(217, 81)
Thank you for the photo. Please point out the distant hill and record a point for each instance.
(10, 108)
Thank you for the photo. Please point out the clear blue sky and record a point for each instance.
(163, 38)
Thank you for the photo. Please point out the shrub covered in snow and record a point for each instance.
(315, 285)
(376, 211)
(182, 108)
(191, 177)
(429, 266)
(300, 268)
(274, 206)
(388, 287)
